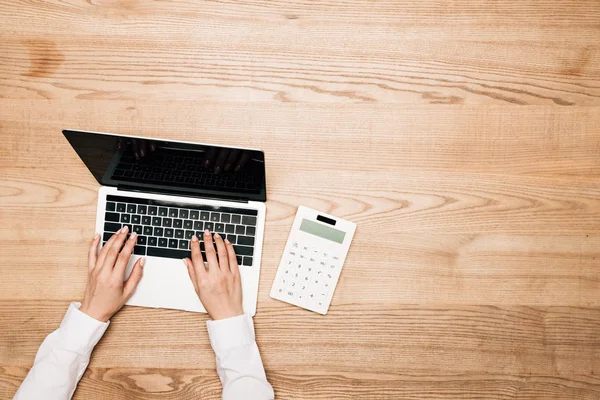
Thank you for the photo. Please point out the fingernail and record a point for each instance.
(237, 169)
(227, 241)
(217, 235)
(206, 163)
(218, 170)
(194, 238)
(206, 232)
(124, 229)
(142, 153)
(143, 261)
(133, 236)
(227, 167)
(96, 236)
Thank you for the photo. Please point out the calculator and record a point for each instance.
(312, 260)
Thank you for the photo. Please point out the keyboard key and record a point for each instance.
(142, 210)
(167, 222)
(204, 216)
(220, 228)
(240, 230)
(229, 228)
(215, 217)
(226, 218)
(158, 231)
(189, 234)
(177, 223)
(121, 207)
(152, 241)
(250, 231)
(146, 220)
(128, 227)
(138, 229)
(173, 213)
(139, 250)
(249, 220)
(147, 230)
(199, 225)
(173, 243)
(136, 219)
(156, 221)
(232, 239)
(179, 233)
(152, 210)
(113, 217)
(243, 250)
(245, 240)
(183, 245)
(162, 242)
(184, 214)
(106, 236)
(210, 226)
(188, 224)
(248, 261)
(125, 218)
(239, 259)
(110, 206)
(131, 208)
(169, 232)
(167, 253)
(141, 240)
(111, 227)
(236, 219)
(200, 235)
(163, 211)
(194, 214)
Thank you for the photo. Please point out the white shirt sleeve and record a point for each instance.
(238, 361)
(63, 357)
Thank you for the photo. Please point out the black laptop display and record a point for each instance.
(169, 167)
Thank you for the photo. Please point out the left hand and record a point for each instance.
(106, 292)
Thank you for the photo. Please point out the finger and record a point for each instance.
(220, 163)
(231, 159)
(197, 261)
(114, 250)
(136, 148)
(191, 272)
(210, 156)
(125, 255)
(211, 255)
(243, 160)
(93, 253)
(107, 246)
(143, 148)
(134, 278)
(233, 264)
(152, 146)
(222, 251)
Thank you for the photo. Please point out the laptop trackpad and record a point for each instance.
(165, 284)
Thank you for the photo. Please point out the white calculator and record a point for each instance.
(312, 260)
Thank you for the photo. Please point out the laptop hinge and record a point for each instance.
(180, 194)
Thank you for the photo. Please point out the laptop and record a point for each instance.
(168, 191)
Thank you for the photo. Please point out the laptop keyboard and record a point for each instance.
(164, 229)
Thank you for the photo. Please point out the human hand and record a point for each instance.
(225, 159)
(140, 147)
(220, 287)
(106, 292)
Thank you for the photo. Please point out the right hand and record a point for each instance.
(219, 287)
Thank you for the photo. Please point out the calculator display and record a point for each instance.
(322, 231)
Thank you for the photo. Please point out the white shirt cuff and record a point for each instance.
(229, 333)
(80, 331)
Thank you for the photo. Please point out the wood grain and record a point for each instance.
(462, 137)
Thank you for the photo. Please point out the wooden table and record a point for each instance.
(462, 137)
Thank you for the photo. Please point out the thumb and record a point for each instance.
(134, 278)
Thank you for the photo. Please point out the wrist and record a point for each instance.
(97, 315)
(225, 314)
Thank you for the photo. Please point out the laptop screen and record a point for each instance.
(152, 165)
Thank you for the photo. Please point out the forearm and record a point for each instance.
(62, 358)
(239, 364)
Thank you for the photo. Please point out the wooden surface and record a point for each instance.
(462, 137)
